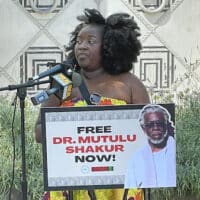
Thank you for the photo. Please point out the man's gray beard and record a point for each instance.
(158, 141)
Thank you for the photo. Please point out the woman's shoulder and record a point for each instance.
(128, 76)
(138, 89)
(131, 81)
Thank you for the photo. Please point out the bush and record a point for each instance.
(188, 148)
(33, 151)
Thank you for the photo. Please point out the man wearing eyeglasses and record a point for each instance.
(154, 165)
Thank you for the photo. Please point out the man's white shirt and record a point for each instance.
(148, 169)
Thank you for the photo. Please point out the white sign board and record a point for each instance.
(89, 146)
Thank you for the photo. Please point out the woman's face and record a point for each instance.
(88, 47)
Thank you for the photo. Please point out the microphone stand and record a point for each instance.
(147, 194)
(22, 93)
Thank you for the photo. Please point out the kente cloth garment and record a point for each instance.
(149, 169)
(101, 194)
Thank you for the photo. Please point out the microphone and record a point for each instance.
(42, 96)
(61, 86)
(60, 67)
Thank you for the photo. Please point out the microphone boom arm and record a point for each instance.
(29, 83)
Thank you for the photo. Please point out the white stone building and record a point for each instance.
(34, 32)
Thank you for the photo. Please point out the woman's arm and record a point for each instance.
(53, 101)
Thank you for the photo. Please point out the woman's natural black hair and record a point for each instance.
(120, 45)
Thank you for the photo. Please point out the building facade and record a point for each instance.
(34, 32)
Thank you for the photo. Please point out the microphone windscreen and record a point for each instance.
(76, 79)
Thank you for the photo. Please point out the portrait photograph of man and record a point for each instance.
(154, 164)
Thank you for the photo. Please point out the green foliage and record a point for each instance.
(188, 152)
(33, 151)
(188, 148)
(187, 102)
